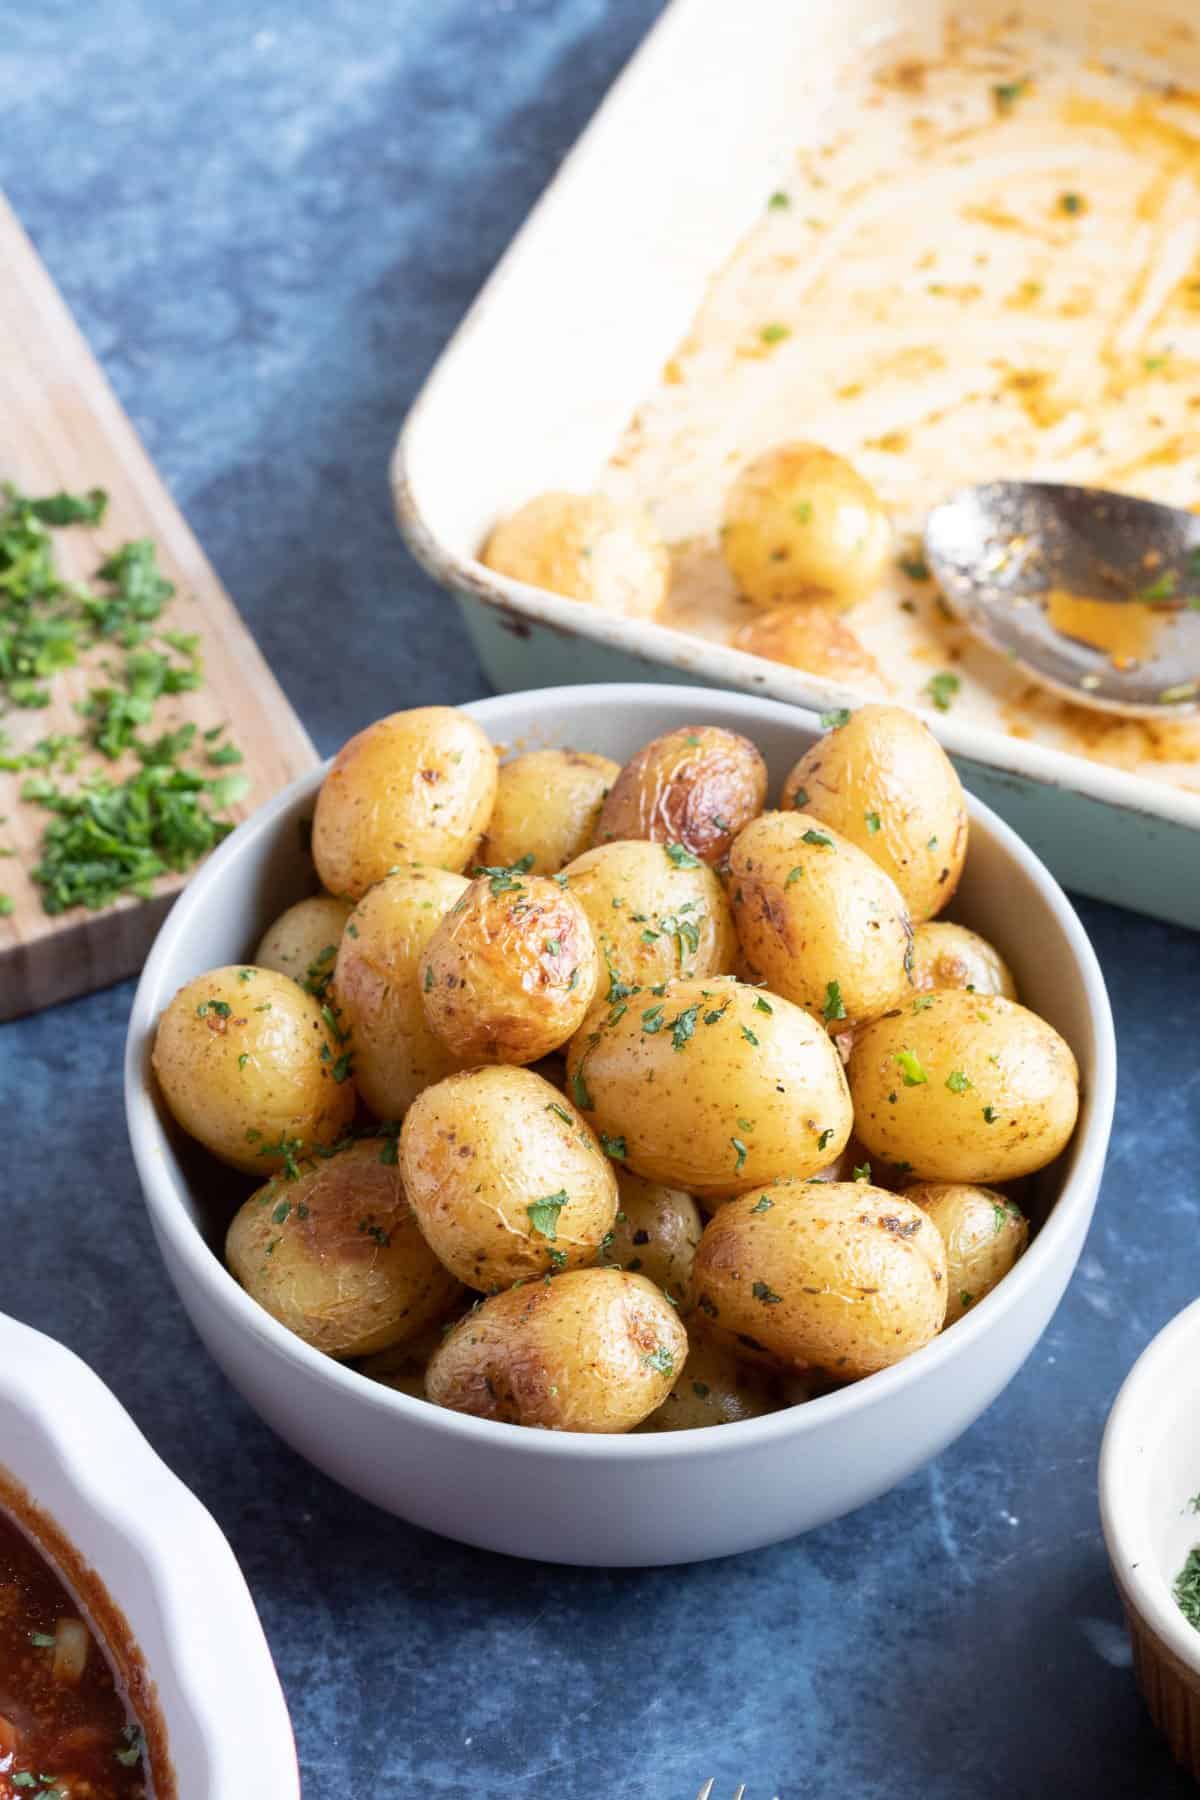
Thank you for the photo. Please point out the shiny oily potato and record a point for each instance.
(376, 985)
(950, 956)
(714, 1388)
(656, 912)
(811, 636)
(838, 1275)
(587, 547)
(801, 523)
(695, 787)
(303, 941)
(820, 921)
(882, 779)
(336, 1256)
(250, 1068)
(547, 804)
(511, 970)
(712, 1087)
(984, 1233)
(595, 1350)
(656, 1231)
(402, 1366)
(963, 1087)
(505, 1178)
(416, 787)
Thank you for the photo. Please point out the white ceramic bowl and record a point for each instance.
(163, 1562)
(1149, 1475)
(672, 1497)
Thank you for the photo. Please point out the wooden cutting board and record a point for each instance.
(61, 427)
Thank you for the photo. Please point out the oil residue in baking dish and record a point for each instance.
(988, 268)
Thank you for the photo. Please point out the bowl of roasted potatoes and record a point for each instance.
(622, 1124)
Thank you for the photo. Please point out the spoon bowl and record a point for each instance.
(1092, 593)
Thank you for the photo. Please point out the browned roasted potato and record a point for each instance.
(595, 1350)
(984, 1233)
(801, 523)
(950, 956)
(416, 787)
(656, 1230)
(656, 912)
(510, 971)
(547, 804)
(811, 636)
(881, 778)
(695, 787)
(303, 941)
(839, 1276)
(335, 1254)
(250, 1067)
(587, 547)
(505, 1178)
(714, 1388)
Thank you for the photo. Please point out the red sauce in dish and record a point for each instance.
(66, 1730)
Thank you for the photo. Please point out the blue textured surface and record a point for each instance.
(267, 227)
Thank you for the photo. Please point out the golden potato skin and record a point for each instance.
(654, 916)
(883, 780)
(713, 1087)
(984, 1233)
(375, 982)
(655, 1232)
(505, 1178)
(842, 1276)
(247, 1065)
(547, 804)
(303, 941)
(416, 787)
(801, 523)
(963, 1087)
(714, 1388)
(811, 636)
(587, 547)
(822, 924)
(696, 786)
(511, 970)
(594, 1350)
(335, 1255)
(950, 956)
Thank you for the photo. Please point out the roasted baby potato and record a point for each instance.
(511, 970)
(820, 922)
(811, 636)
(416, 787)
(656, 1231)
(376, 985)
(547, 804)
(882, 779)
(335, 1254)
(955, 1086)
(712, 1086)
(839, 1275)
(505, 1178)
(585, 546)
(695, 787)
(984, 1233)
(595, 1350)
(714, 1388)
(655, 912)
(950, 956)
(303, 941)
(800, 524)
(251, 1069)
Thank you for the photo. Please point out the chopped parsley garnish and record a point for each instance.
(41, 1641)
(800, 799)
(763, 1006)
(819, 838)
(942, 688)
(543, 1213)
(1005, 94)
(559, 1112)
(741, 1152)
(503, 876)
(764, 1203)
(915, 567)
(281, 1212)
(922, 1002)
(1187, 1589)
(680, 857)
(873, 822)
(1000, 1217)
(793, 875)
(613, 1146)
(660, 1360)
(802, 512)
(749, 1036)
(134, 1745)
(579, 1090)
(834, 1007)
(779, 202)
(762, 1292)
(862, 1171)
(684, 1027)
(966, 1300)
(1071, 203)
(910, 1067)
(989, 1115)
(775, 333)
(957, 1081)
(1162, 589)
(834, 719)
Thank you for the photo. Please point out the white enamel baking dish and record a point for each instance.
(163, 1562)
(570, 335)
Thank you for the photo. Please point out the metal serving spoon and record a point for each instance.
(1095, 594)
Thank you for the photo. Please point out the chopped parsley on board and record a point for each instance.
(109, 833)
